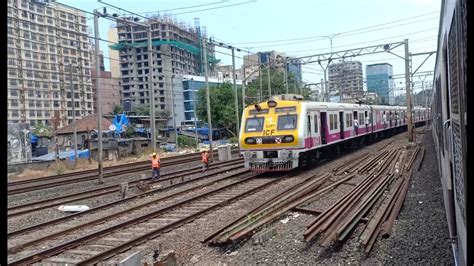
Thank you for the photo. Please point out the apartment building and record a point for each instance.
(346, 79)
(46, 42)
(176, 51)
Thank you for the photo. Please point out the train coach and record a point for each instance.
(286, 132)
(449, 121)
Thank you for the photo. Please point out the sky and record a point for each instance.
(300, 27)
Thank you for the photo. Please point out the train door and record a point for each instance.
(390, 118)
(309, 136)
(323, 127)
(372, 121)
(341, 123)
(356, 127)
(366, 121)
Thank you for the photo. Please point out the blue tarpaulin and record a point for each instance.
(120, 121)
(34, 139)
(63, 155)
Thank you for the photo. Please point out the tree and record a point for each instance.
(142, 110)
(130, 131)
(185, 141)
(117, 109)
(222, 106)
(277, 85)
(42, 130)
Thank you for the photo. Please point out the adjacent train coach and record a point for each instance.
(449, 120)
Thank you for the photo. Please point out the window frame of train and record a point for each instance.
(294, 124)
(333, 119)
(254, 118)
(361, 119)
(349, 119)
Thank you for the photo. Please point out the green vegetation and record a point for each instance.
(186, 141)
(117, 109)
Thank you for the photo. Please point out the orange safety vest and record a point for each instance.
(155, 162)
(205, 157)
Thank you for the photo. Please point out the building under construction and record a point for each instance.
(45, 39)
(177, 50)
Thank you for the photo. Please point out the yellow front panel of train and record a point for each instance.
(262, 126)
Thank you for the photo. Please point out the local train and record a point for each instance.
(449, 114)
(286, 132)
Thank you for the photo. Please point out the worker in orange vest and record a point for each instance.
(205, 159)
(155, 165)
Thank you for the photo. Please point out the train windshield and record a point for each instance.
(254, 124)
(286, 122)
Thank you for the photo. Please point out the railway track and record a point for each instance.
(105, 237)
(172, 177)
(22, 186)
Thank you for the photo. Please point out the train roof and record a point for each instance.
(331, 105)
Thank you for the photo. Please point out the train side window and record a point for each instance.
(332, 121)
(254, 124)
(348, 120)
(315, 124)
(286, 122)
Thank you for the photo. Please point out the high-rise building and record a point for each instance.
(346, 80)
(110, 91)
(113, 54)
(176, 51)
(45, 41)
(379, 80)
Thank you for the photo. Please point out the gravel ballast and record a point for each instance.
(419, 236)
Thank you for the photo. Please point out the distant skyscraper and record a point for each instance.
(379, 80)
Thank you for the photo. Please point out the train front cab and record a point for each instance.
(269, 136)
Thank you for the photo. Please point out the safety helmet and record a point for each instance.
(153, 154)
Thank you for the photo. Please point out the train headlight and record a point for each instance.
(249, 141)
(271, 103)
(284, 154)
(288, 139)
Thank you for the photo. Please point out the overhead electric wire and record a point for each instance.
(325, 36)
(180, 8)
(289, 43)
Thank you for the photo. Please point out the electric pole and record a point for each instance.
(74, 114)
(268, 77)
(236, 94)
(97, 84)
(285, 74)
(151, 89)
(408, 92)
(173, 114)
(243, 92)
(260, 96)
(208, 100)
